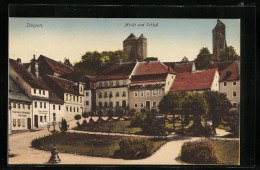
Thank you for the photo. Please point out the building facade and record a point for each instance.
(136, 48)
(150, 81)
(89, 93)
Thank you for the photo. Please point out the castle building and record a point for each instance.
(136, 48)
(219, 39)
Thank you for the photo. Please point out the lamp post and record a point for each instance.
(10, 117)
(54, 153)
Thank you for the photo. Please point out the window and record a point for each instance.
(87, 103)
(28, 106)
(105, 95)
(106, 84)
(74, 109)
(23, 122)
(54, 107)
(70, 109)
(234, 93)
(100, 84)
(147, 93)
(77, 109)
(41, 119)
(86, 93)
(34, 91)
(225, 93)
(77, 98)
(117, 104)
(234, 83)
(135, 105)
(160, 92)
(111, 83)
(40, 104)
(141, 105)
(19, 122)
(43, 92)
(35, 104)
(44, 105)
(124, 82)
(40, 92)
(135, 94)
(14, 122)
(54, 116)
(172, 77)
(67, 108)
(59, 107)
(117, 94)
(14, 105)
(154, 104)
(117, 83)
(73, 98)
(44, 118)
(124, 94)
(225, 83)
(235, 105)
(70, 97)
(81, 89)
(110, 104)
(105, 104)
(168, 83)
(80, 99)
(100, 104)
(141, 93)
(154, 92)
(99, 95)
(18, 105)
(23, 106)
(110, 94)
(66, 97)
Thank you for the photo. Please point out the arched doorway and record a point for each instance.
(29, 123)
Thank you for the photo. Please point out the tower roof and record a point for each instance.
(131, 37)
(141, 36)
(219, 23)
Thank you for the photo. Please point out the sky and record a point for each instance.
(167, 39)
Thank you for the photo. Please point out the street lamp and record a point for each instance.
(54, 153)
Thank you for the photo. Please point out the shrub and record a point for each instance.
(100, 113)
(120, 112)
(134, 148)
(77, 117)
(234, 122)
(64, 125)
(153, 126)
(137, 119)
(110, 112)
(144, 110)
(85, 115)
(199, 152)
(37, 143)
(208, 131)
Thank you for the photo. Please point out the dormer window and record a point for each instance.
(43, 92)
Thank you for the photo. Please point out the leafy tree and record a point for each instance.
(228, 54)
(218, 105)
(77, 117)
(85, 115)
(137, 119)
(100, 113)
(64, 125)
(203, 59)
(120, 112)
(196, 105)
(110, 112)
(234, 121)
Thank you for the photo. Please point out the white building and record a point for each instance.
(89, 93)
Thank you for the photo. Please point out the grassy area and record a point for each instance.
(227, 152)
(118, 127)
(85, 144)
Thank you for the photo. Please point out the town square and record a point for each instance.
(119, 91)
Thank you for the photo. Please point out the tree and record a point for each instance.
(228, 54)
(196, 105)
(120, 112)
(77, 117)
(64, 125)
(110, 113)
(203, 59)
(172, 104)
(85, 115)
(218, 105)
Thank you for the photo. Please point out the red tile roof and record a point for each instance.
(221, 66)
(65, 85)
(181, 68)
(56, 66)
(21, 70)
(194, 81)
(117, 71)
(153, 67)
(151, 78)
(230, 73)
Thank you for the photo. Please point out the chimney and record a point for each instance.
(19, 60)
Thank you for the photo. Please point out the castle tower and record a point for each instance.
(135, 47)
(219, 39)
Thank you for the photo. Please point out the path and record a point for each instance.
(20, 144)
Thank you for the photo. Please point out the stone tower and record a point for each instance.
(219, 39)
(135, 47)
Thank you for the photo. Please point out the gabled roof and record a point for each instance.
(230, 73)
(21, 70)
(152, 67)
(181, 68)
(117, 71)
(57, 66)
(16, 93)
(194, 81)
(220, 65)
(65, 85)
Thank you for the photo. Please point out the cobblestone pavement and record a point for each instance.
(20, 145)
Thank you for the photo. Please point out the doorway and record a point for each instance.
(148, 104)
(36, 121)
(29, 123)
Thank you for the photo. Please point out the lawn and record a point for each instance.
(118, 127)
(85, 144)
(227, 151)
